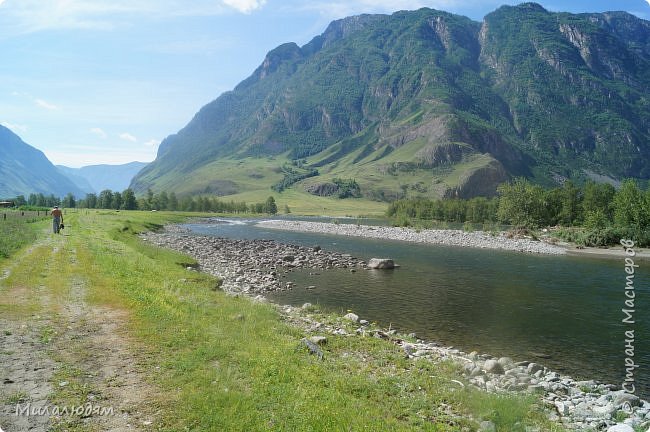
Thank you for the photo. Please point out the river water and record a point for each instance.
(561, 311)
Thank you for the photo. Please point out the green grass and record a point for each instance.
(17, 231)
(228, 363)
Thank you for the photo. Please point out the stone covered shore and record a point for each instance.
(476, 239)
(253, 267)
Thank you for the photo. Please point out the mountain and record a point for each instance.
(96, 178)
(25, 170)
(426, 103)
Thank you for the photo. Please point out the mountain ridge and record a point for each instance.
(96, 178)
(25, 170)
(427, 103)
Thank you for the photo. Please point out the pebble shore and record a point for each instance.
(254, 267)
(475, 239)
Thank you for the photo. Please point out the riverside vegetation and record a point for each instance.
(205, 360)
(591, 215)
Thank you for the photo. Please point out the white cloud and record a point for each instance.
(28, 16)
(43, 104)
(99, 132)
(245, 6)
(128, 137)
(152, 143)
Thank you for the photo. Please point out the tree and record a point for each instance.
(149, 199)
(570, 201)
(69, 201)
(117, 200)
(163, 201)
(270, 207)
(105, 200)
(128, 198)
(20, 201)
(521, 203)
(91, 201)
(40, 200)
(598, 197)
(630, 209)
(173, 202)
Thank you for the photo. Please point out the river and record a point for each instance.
(561, 311)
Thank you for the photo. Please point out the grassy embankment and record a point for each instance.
(18, 229)
(223, 363)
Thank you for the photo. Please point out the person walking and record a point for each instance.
(57, 219)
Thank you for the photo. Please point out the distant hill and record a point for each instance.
(25, 170)
(96, 178)
(426, 103)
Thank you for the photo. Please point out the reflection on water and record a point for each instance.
(566, 310)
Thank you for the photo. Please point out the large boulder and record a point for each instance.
(381, 263)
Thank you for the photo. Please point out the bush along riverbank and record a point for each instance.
(592, 215)
(253, 267)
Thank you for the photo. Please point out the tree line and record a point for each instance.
(127, 200)
(603, 213)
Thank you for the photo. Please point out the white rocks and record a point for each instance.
(533, 368)
(506, 362)
(381, 263)
(318, 340)
(351, 316)
(606, 411)
(249, 266)
(476, 239)
(562, 408)
(487, 426)
(623, 398)
(494, 367)
(621, 428)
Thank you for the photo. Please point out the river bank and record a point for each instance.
(254, 267)
(476, 239)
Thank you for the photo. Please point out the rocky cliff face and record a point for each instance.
(430, 103)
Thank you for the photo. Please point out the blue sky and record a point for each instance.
(104, 81)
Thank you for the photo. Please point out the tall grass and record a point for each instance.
(17, 231)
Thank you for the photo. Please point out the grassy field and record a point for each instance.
(207, 361)
(381, 177)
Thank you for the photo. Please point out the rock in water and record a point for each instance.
(381, 263)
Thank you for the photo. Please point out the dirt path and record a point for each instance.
(65, 363)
